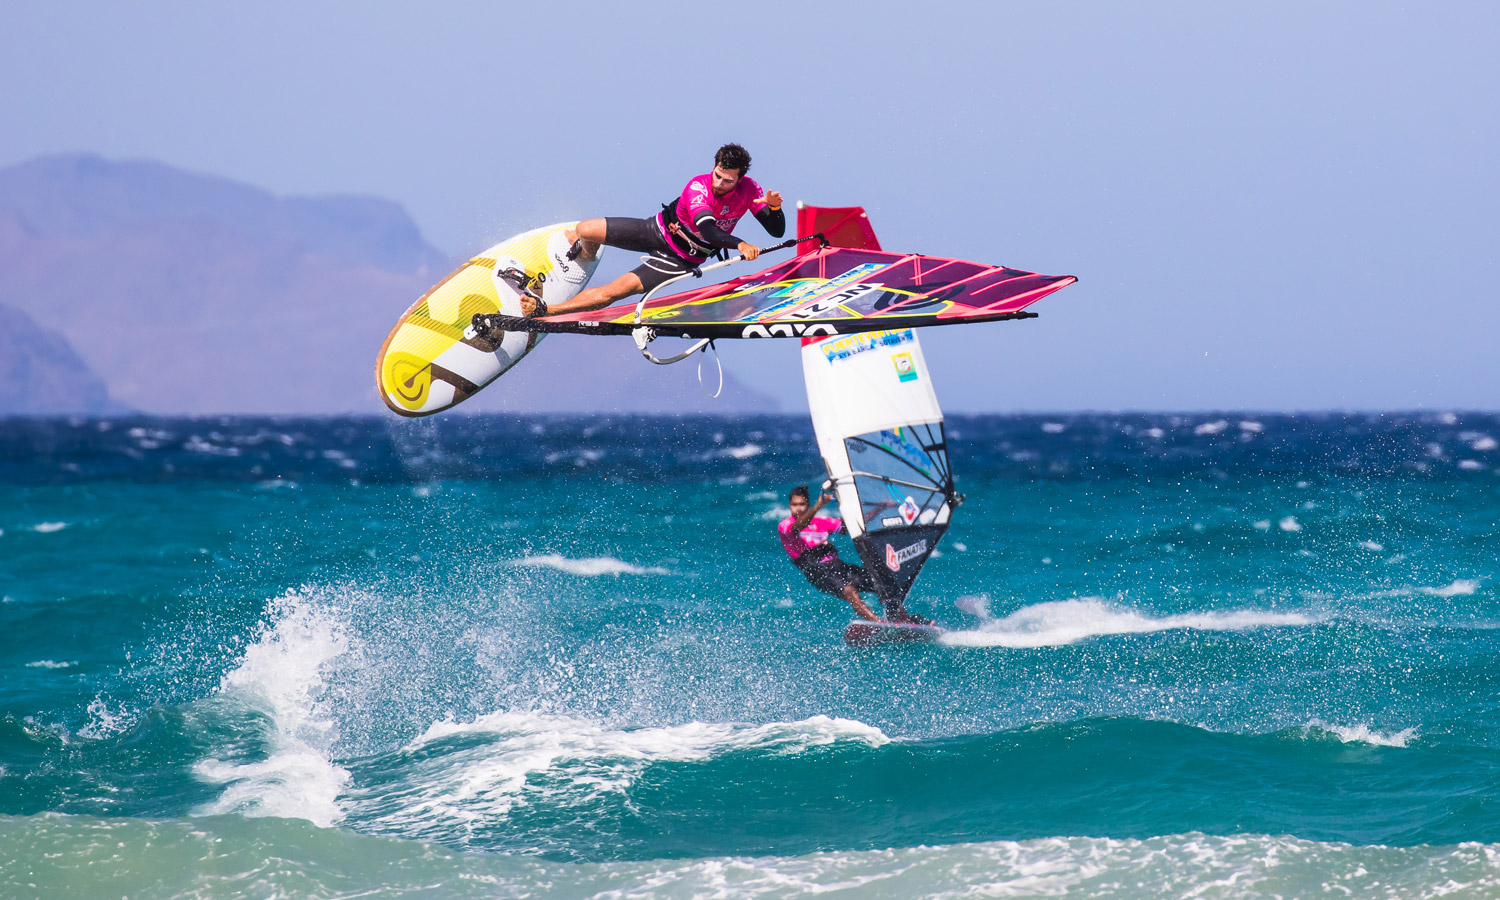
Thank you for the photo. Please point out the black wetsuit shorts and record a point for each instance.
(644, 236)
(831, 574)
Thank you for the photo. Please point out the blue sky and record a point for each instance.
(1268, 205)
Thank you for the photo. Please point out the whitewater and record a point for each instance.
(1218, 655)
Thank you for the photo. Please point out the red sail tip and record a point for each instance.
(843, 226)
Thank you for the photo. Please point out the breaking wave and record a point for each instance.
(282, 675)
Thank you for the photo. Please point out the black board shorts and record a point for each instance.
(831, 574)
(643, 236)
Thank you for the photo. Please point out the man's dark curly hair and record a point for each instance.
(733, 156)
(801, 491)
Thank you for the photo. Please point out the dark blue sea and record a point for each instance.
(1208, 655)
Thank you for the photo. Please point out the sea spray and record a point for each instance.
(282, 674)
(1059, 623)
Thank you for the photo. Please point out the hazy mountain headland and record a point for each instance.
(136, 285)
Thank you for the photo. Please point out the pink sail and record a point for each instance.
(833, 290)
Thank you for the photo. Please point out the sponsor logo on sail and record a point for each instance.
(894, 441)
(788, 329)
(824, 305)
(855, 344)
(836, 283)
(906, 369)
(895, 558)
(909, 509)
(816, 289)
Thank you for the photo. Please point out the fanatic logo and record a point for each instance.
(895, 558)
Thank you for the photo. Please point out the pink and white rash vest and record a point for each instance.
(698, 198)
(814, 536)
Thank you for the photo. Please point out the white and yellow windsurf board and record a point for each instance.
(432, 360)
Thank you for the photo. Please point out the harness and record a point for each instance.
(815, 555)
(679, 234)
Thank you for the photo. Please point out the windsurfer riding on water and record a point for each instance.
(806, 536)
(684, 234)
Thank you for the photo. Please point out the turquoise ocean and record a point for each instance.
(1209, 655)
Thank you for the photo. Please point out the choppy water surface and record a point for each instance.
(1204, 655)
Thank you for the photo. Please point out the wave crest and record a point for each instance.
(1063, 622)
(282, 673)
(472, 773)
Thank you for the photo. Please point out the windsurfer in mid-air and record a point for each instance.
(806, 536)
(676, 240)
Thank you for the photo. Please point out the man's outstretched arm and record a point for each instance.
(812, 511)
(770, 216)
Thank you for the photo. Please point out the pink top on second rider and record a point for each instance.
(814, 536)
(698, 197)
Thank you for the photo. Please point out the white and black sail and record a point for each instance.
(880, 432)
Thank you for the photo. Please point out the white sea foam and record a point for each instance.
(695, 740)
(1054, 427)
(977, 605)
(196, 444)
(282, 673)
(744, 451)
(477, 782)
(1364, 734)
(1470, 465)
(269, 860)
(50, 664)
(590, 566)
(1372, 546)
(581, 458)
(1188, 865)
(1064, 622)
(1211, 427)
(104, 721)
(1483, 443)
(1289, 523)
(1251, 426)
(48, 527)
(1461, 587)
